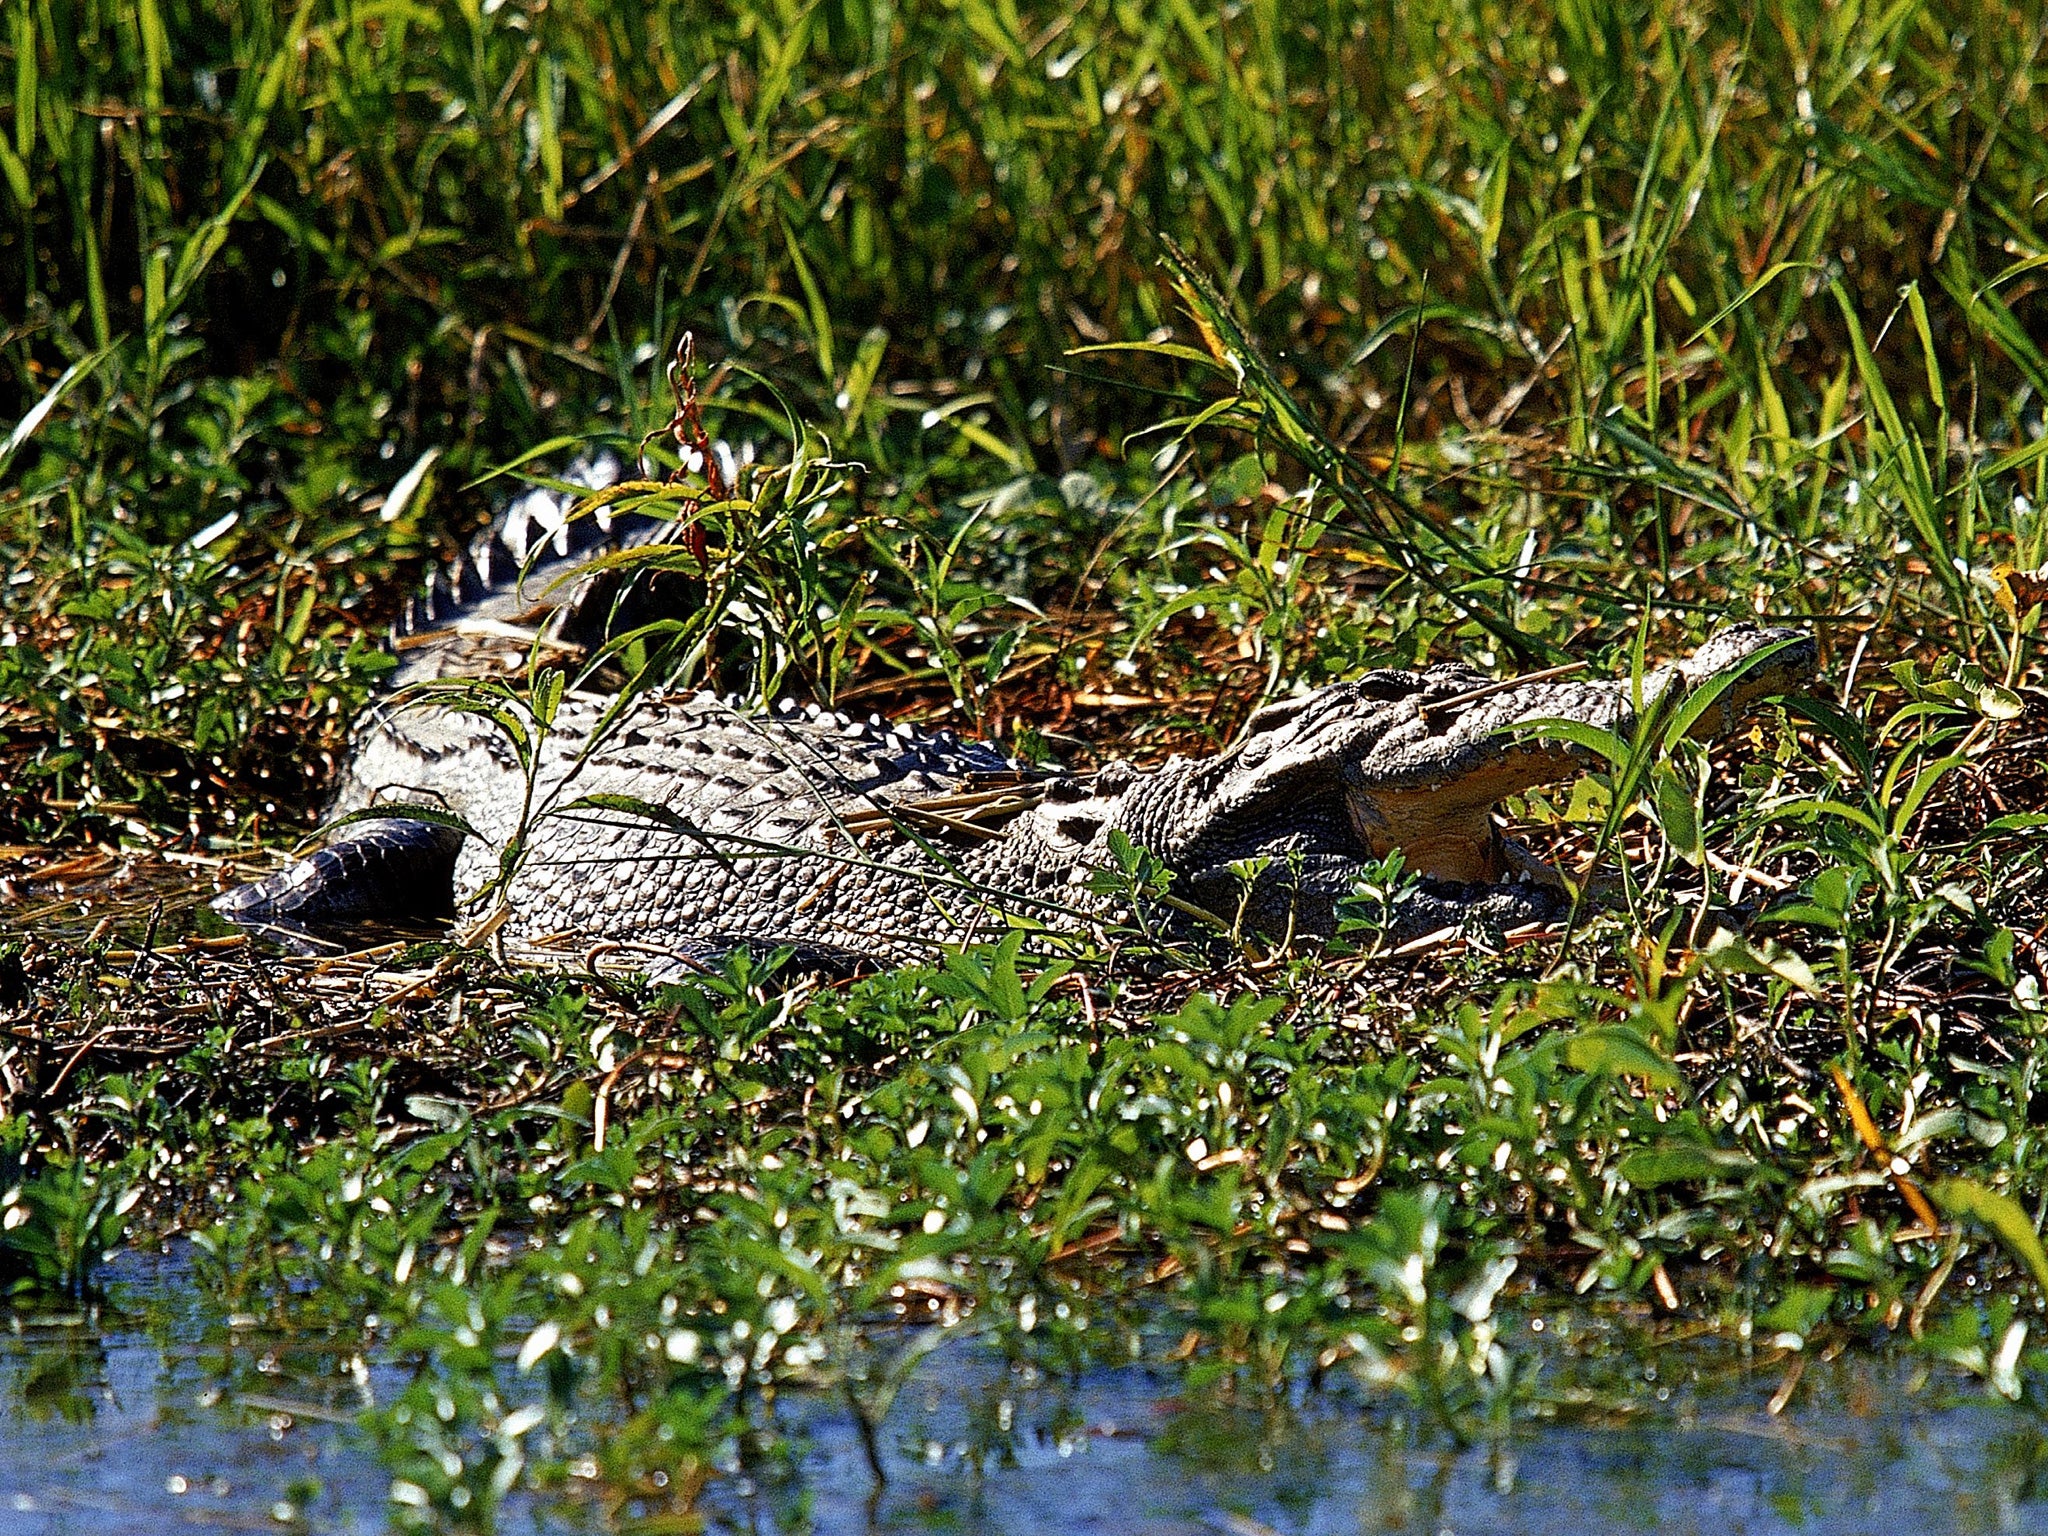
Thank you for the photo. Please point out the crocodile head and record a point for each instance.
(1417, 761)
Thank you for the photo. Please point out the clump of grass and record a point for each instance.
(616, 1211)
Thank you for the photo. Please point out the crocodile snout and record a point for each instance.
(1429, 785)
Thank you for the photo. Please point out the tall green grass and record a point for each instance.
(1652, 310)
(1652, 199)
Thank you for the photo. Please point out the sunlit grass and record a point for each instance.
(1109, 370)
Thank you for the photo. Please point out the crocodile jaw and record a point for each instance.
(1458, 844)
(1446, 837)
(1429, 784)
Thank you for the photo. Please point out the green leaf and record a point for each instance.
(1620, 1051)
(1174, 349)
(404, 810)
(1593, 738)
(547, 695)
(860, 377)
(537, 451)
(1995, 701)
(36, 414)
(1679, 1162)
(2005, 1216)
(656, 815)
(1677, 815)
(1800, 1310)
(1922, 786)
(1708, 694)
(205, 242)
(294, 629)
(15, 171)
(1916, 306)
(1728, 952)
(480, 702)
(2019, 458)
(1770, 275)
(819, 316)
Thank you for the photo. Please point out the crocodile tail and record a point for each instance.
(510, 567)
(390, 870)
(511, 578)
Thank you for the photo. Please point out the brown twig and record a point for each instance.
(1502, 685)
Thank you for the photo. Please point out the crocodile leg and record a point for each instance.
(1300, 894)
(682, 959)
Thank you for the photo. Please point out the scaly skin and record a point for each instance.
(862, 840)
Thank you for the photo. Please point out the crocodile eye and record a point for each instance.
(1387, 685)
(1078, 829)
(1274, 715)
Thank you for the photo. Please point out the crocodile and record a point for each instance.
(678, 827)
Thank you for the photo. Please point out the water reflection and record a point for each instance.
(151, 901)
(153, 1409)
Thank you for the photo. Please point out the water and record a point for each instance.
(119, 895)
(132, 899)
(155, 1413)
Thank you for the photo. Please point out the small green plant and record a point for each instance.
(59, 1223)
(1368, 913)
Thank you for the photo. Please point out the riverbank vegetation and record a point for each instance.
(1110, 369)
